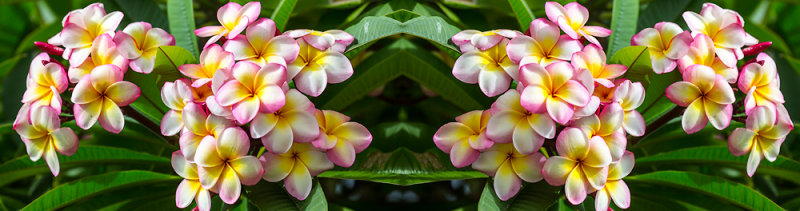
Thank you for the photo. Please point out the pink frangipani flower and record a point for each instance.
(223, 164)
(760, 81)
(314, 68)
(45, 81)
(103, 51)
(615, 188)
(630, 95)
(99, 95)
(706, 96)
(341, 138)
(82, 27)
(552, 90)
(666, 43)
(44, 137)
(213, 59)
(545, 45)
(234, 18)
(724, 27)
(508, 168)
(335, 40)
(296, 168)
(490, 68)
(175, 95)
(701, 52)
(465, 138)
(294, 122)
(593, 58)
(471, 40)
(572, 18)
(510, 122)
(581, 164)
(762, 136)
(199, 126)
(139, 43)
(190, 188)
(608, 126)
(262, 45)
(253, 89)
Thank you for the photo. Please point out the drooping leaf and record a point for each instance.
(403, 58)
(181, 24)
(282, 13)
(86, 187)
(22, 166)
(623, 24)
(532, 196)
(523, 13)
(783, 167)
(432, 28)
(711, 186)
(272, 196)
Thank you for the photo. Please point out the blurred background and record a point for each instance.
(401, 111)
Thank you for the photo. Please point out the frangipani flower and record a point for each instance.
(223, 164)
(465, 138)
(175, 95)
(341, 138)
(630, 95)
(545, 45)
(615, 187)
(82, 27)
(508, 168)
(761, 83)
(582, 164)
(490, 68)
(584, 76)
(190, 187)
(724, 27)
(593, 58)
(261, 45)
(706, 96)
(253, 89)
(212, 59)
(199, 125)
(234, 18)
(46, 80)
(43, 136)
(572, 19)
(471, 40)
(666, 43)
(314, 69)
(335, 40)
(608, 126)
(551, 89)
(99, 95)
(510, 122)
(139, 43)
(294, 122)
(295, 167)
(103, 52)
(702, 52)
(762, 136)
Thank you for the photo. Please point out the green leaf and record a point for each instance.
(719, 188)
(637, 59)
(87, 187)
(658, 11)
(623, 24)
(272, 196)
(144, 10)
(22, 167)
(403, 58)
(764, 34)
(41, 34)
(532, 196)
(783, 167)
(181, 24)
(523, 13)
(282, 13)
(432, 28)
(402, 167)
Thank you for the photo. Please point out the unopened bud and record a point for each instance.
(49, 49)
(755, 49)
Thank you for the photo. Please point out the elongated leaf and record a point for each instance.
(532, 196)
(783, 167)
(22, 167)
(272, 196)
(432, 28)
(403, 58)
(523, 13)
(640, 69)
(637, 59)
(128, 198)
(181, 24)
(75, 191)
(282, 13)
(623, 24)
(658, 11)
(711, 186)
(402, 167)
(144, 10)
(764, 34)
(41, 34)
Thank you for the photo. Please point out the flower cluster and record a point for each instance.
(707, 57)
(238, 98)
(565, 91)
(98, 58)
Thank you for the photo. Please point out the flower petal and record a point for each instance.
(229, 186)
(559, 110)
(694, 118)
(634, 123)
(740, 141)
(682, 93)
(279, 139)
(556, 170)
(311, 81)
(276, 167)
(298, 182)
(526, 141)
(87, 114)
(246, 110)
(493, 83)
(65, 141)
(248, 169)
(572, 143)
(506, 182)
(462, 154)
(232, 143)
(187, 190)
(718, 114)
(111, 117)
(576, 187)
(529, 168)
(123, 93)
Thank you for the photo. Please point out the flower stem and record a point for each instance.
(661, 121)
